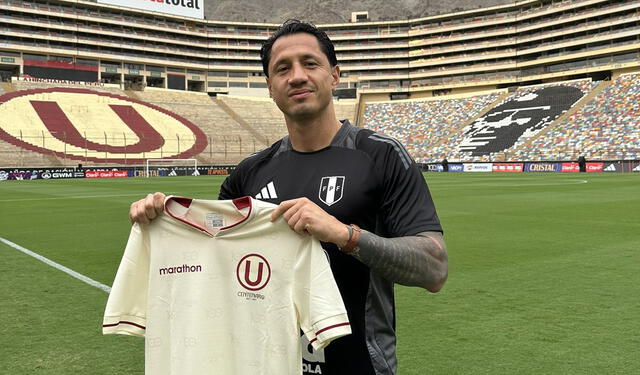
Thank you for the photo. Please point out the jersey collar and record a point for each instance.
(180, 212)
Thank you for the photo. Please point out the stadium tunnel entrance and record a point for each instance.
(155, 82)
(112, 78)
(6, 72)
(132, 82)
(195, 86)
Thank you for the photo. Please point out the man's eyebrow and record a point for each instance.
(309, 56)
(304, 57)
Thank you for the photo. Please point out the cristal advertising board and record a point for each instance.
(542, 167)
(184, 8)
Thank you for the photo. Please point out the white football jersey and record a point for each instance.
(216, 288)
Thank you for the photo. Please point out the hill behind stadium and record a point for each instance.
(334, 11)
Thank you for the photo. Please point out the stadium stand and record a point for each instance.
(260, 113)
(606, 128)
(448, 128)
(228, 141)
(346, 109)
(460, 72)
(427, 128)
(24, 85)
(30, 132)
(267, 121)
(14, 156)
(518, 118)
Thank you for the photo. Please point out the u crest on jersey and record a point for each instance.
(331, 188)
(253, 277)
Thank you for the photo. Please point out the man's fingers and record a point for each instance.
(301, 227)
(141, 216)
(300, 217)
(149, 208)
(158, 202)
(297, 223)
(133, 211)
(282, 208)
(292, 216)
(146, 209)
(307, 218)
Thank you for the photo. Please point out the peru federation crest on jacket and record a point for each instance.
(331, 189)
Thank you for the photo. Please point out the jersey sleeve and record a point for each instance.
(125, 312)
(323, 317)
(406, 203)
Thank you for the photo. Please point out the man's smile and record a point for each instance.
(299, 94)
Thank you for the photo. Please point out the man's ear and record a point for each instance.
(335, 74)
(269, 87)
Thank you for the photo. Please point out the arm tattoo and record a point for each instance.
(419, 260)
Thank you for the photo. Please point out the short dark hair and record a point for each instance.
(294, 27)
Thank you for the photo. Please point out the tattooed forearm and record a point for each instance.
(419, 260)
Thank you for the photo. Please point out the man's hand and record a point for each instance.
(146, 209)
(306, 217)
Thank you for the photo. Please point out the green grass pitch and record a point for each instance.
(544, 275)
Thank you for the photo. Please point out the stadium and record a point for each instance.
(103, 101)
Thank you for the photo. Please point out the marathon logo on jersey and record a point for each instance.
(253, 273)
(185, 268)
(331, 189)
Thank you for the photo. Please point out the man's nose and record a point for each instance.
(298, 75)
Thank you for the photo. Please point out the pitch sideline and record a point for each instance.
(58, 266)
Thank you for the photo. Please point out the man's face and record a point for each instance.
(301, 79)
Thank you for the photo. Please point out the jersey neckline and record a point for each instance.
(238, 203)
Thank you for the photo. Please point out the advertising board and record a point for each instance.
(542, 167)
(478, 167)
(106, 174)
(508, 167)
(570, 167)
(184, 8)
(595, 167)
(456, 168)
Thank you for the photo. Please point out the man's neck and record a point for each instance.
(308, 135)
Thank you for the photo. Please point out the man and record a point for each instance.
(582, 164)
(330, 179)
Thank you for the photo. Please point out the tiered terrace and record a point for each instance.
(426, 127)
(606, 128)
